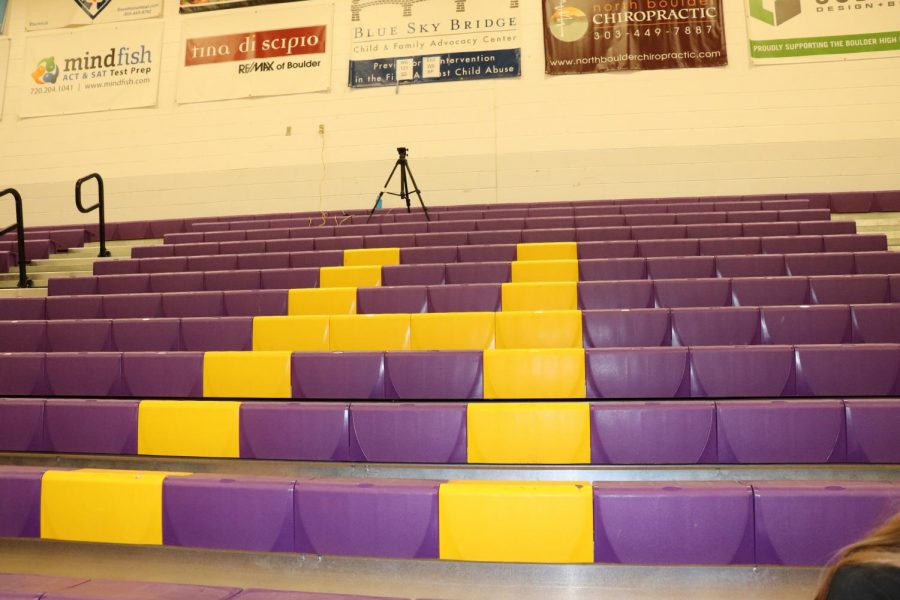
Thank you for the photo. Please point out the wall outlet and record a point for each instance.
(288, 130)
(321, 129)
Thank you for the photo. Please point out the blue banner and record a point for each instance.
(456, 66)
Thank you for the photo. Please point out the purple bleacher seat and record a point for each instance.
(176, 282)
(605, 209)
(562, 222)
(597, 295)
(146, 335)
(859, 242)
(85, 374)
(730, 246)
(124, 284)
(393, 228)
(876, 262)
(285, 279)
(255, 303)
(887, 201)
(826, 227)
(852, 202)
(292, 245)
(71, 286)
(23, 309)
(790, 517)
(699, 523)
(478, 272)
(748, 371)
(499, 252)
(798, 204)
(127, 306)
(225, 236)
(412, 217)
(690, 293)
(489, 223)
(779, 431)
(221, 262)
(274, 233)
(217, 334)
(622, 249)
(652, 248)
(805, 324)
(360, 229)
(97, 589)
(753, 216)
(91, 426)
(345, 242)
(637, 373)
(767, 229)
(458, 215)
(325, 375)
(494, 237)
(536, 236)
(626, 328)
(451, 226)
(23, 336)
(805, 214)
(182, 238)
(737, 205)
(433, 375)
(602, 234)
(75, 307)
(599, 221)
(163, 375)
(21, 425)
(428, 255)
(206, 511)
(206, 248)
(725, 326)
(231, 280)
(199, 304)
(93, 335)
(647, 220)
(858, 289)
(175, 264)
(769, 291)
(164, 227)
(819, 264)
(876, 323)
(848, 370)
(20, 497)
(414, 274)
(382, 300)
(33, 587)
(715, 230)
(612, 269)
(759, 265)
(450, 238)
(397, 240)
(815, 200)
(408, 433)
(304, 260)
(23, 374)
(639, 208)
(550, 211)
(872, 427)
(268, 260)
(312, 232)
(507, 213)
(799, 244)
(659, 232)
(653, 433)
(132, 230)
(295, 431)
(682, 267)
(483, 297)
(376, 517)
(698, 218)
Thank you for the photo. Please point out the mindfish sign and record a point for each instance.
(424, 41)
(103, 68)
(590, 36)
(794, 31)
(54, 14)
(256, 53)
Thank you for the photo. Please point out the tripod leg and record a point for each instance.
(386, 184)
(418, 193)
(404, 186)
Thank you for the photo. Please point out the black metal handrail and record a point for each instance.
(19, 228)
(100, 205)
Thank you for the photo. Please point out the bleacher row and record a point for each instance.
(618, 433)
(572, 522)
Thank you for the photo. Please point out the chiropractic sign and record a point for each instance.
(818, 30)
(54, 14)
(422, 41)
(103, 68)
(256, 53)
(590, 36)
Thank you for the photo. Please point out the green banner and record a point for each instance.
(820, 46)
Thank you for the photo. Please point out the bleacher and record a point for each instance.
(749, 344)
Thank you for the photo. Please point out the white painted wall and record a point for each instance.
(816, 127)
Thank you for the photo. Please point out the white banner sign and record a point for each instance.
(53, 14)
(89, 70)
(806, 31)
(258, 52)
(4, 65)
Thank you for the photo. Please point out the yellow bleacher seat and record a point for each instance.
(547, 251)
(506, 521)
(247, 375)
(96, 505)
(371, 256)
(367, 276)
(189, 428)
(370, 333)
(533, 433)
(538, 271)
(319, 301)
(538, 374)
(452, 331)
(540, 296)
(296, 334)
(539, 329)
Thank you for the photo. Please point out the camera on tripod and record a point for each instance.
(405, 177)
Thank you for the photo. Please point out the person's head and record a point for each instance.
(881, 547)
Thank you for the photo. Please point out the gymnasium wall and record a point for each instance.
(737, 130)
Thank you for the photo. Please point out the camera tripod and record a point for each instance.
(405, 171)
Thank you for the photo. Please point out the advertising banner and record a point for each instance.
(194, 6)
(4, 65)
(54, 14)
(2, 16)
(102, 68)
(433, 40)
(804, 31)
(586, 36)
(256, 53)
